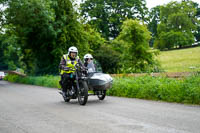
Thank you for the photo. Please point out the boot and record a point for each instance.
(64, 94)
(60, 82)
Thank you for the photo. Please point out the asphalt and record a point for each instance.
(35, 109)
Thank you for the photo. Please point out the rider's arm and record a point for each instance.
(82, 65)
(62, 63)
(80, 62)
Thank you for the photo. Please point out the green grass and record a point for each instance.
(186, 90)
(183, 60)
(47, 81)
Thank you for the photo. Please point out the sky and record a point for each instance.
(153, 3)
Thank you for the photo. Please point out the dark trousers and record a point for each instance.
(67, 81)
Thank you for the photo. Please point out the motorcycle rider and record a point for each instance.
(88, 63)
(67, 67)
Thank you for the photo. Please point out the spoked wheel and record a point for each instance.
(101, 94)
(83, 93)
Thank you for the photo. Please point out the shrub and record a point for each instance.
(186, 90)
(158, 88)
(47, 81)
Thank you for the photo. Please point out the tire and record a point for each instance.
(83, 93)
(102, 95)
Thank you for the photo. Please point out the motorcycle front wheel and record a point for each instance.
(83, 93)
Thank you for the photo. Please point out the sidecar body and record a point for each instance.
(98, 81)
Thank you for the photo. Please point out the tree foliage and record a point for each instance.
(134, 39)
(154, 20)
(197, 16)
(36, 33)
(44, 30)
(108, 58)
(32, 22)
(177, 25)
(94, 39)
(107, 15)
(10, 53)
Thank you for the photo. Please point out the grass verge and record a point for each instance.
(185, 90)
(47, 81)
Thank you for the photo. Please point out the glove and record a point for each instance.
(83, 68)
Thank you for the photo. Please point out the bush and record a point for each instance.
(136, 53)
(108, 58)
(158, 88)
(47, 81)
(186, 90)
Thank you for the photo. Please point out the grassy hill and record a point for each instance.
(182, 60)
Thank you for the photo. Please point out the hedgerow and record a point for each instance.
(185, 90)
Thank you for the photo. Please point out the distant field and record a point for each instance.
(183, 60)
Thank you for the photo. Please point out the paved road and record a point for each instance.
(34, 109)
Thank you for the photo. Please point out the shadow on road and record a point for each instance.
(92, 101)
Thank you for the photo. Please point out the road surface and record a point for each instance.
(34, 109)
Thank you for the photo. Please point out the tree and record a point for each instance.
(174, 39)
(10, 53)
(197, 33)
(107, 15)
(177, 25)
(134, 39)
(44, 30)
(154, 20)
(69, 31)
(94, 39)
(3, 64)
(32, 22)
(108, 58)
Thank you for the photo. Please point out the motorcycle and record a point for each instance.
(79, 89)
(96, 82)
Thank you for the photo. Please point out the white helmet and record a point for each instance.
(87, 56)
(73, 49)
